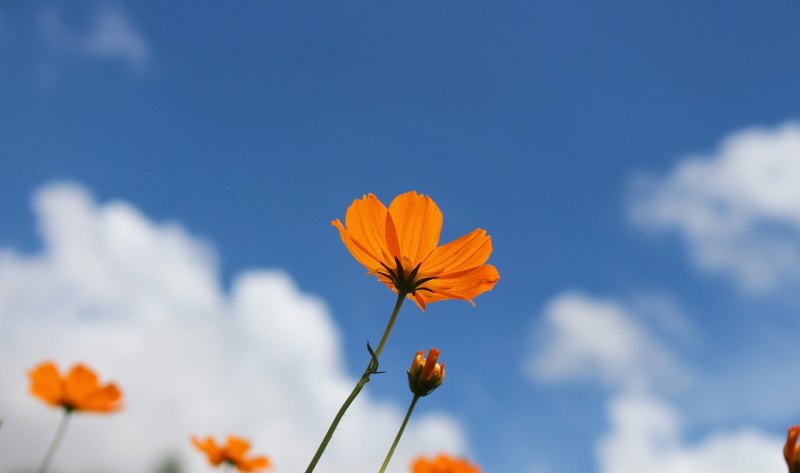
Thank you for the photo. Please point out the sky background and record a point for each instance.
(168, 174)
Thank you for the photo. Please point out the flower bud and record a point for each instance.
(790, 451)
(425, 375)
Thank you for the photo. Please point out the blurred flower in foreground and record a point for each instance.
(399, 246)
(443, 464)
(233, 453)
(790, 451)
(77, 391)
(425, 375)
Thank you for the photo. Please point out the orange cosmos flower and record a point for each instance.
(399, 246)
(233, 453)
(443, 464)
(790, 451)
(425, 375)
(77, 391)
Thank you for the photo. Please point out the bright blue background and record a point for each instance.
(258, 122)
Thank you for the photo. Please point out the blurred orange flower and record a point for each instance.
(232, 453)
(425, 375)
(443, 464)
(399, 246)
(77, 391)
(790, 451)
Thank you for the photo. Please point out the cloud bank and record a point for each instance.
(588, 338)
(141, 302)
(737, 209)
(645, 435)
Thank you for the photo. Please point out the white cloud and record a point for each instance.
(111, 34)
(142, 303)
(645, 435)
(738, 209)
(585, 337)
(603, 340)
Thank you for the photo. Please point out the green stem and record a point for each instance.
(227, 468)
(401, 296)
(369, 370)
(48, 457)
(399, 433)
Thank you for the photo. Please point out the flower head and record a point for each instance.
(790, 451)
(399, 246)
(233, 453)
(77, 391)
(443, 464)
(425, 375)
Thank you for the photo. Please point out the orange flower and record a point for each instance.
(425, 375)
(77, 391)
(399, 246)
(443, 464)
(790, 451)
(232, 453)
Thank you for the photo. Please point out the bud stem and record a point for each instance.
(399, 433)
(401, 296)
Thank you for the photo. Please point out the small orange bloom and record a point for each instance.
(399, 246)
(443, 464)
(790, 451)
(77, 391)
(425, 375)
(232, 453)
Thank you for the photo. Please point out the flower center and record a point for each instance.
(405, 281)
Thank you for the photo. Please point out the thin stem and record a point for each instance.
(227, 468)
(369, 370)
(62, 427)
(401, 296)
(399, 433)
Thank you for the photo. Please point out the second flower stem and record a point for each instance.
(368, 371)
(399, 433)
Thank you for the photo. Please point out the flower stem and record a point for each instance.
(401, 296)
(369, 370)
(399, 433)
(48, 457)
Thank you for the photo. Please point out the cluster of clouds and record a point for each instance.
(586, 338)
(737, 211)
(142, 303)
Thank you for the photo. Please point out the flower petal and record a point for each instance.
(254, 464)
(80, 385)
(464, 285)
(359, 251)
(236, 448)
(365, 220)
(469, 251)
(210, 448)
(46, 383)
(105, 399)
(418, 222)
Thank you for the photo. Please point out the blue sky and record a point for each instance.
(562, 127)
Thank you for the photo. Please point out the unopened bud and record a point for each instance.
(790, 451)
(425, 375)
